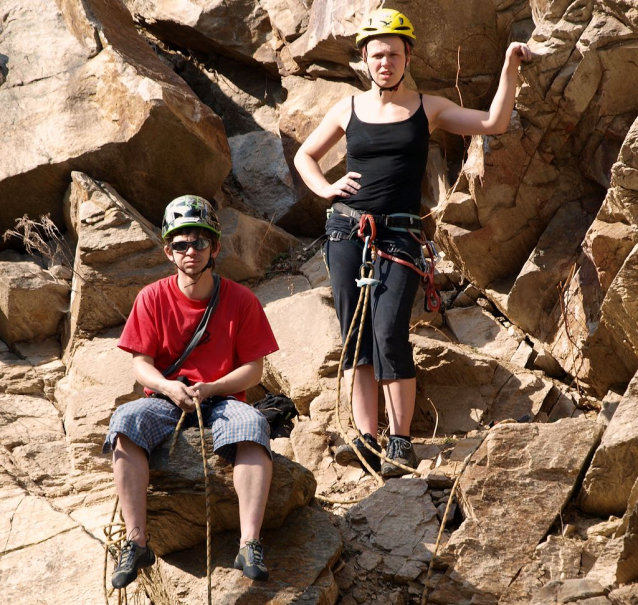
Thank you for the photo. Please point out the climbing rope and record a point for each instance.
(115, 532)
(200, 420)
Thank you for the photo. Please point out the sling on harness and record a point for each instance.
(411, 224)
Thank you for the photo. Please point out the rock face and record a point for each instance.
(306, 353)
(176, 499)
(82, 91)
(613, 471)
(118, 252)
(32, 301)
(599, 293)
(249, 245)
(35, 538)
(299, 116)
(469, 389)
(537, 466)
(538, 323)
(299, 557)
(240, 28)
(518, 191)
(99, 377)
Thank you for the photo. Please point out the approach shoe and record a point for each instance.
(132, 558)
(250, 559)
(401, 450)
(345, 454)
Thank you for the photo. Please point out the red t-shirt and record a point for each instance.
(163, 320)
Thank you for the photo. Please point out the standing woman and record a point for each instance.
(387, 133)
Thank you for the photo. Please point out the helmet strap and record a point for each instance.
(383, 89)
(209, 265)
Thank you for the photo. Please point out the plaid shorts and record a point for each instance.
(149, 421)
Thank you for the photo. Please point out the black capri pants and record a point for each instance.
(385, 341)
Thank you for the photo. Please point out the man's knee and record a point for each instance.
(252, 448)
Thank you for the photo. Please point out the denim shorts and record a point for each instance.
(385, 340)
(149, 421)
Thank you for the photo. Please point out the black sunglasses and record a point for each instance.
(199, 244)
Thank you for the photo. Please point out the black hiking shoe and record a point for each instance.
(250, 559)
(345, 454)
(401, 450)
(132, 558)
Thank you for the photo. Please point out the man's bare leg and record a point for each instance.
(252, 476)
(130, 472)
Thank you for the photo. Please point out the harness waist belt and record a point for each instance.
(392, 221)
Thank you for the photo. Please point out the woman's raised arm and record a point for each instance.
(443, 113)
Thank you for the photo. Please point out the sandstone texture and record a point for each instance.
(526, 379)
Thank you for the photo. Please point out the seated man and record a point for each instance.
(227, 361)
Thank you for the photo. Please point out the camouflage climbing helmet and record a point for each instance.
(190, 211)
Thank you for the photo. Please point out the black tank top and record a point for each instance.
(391, 159)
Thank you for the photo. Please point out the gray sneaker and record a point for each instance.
(401, 450)
(345, 454)
(250, 559)
(132, 558)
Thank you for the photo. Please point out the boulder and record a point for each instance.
(177, 498)
(308, 350)
(299, 557)
(469, 389)
(240, 28)
(118, 252)
(262, 173)
(536, 290)
(612, 472)
(280, 287)
(242, 95)
(306, 104)
(316, 271)
(400, 523)
(289, 19)
(32, 301)
(99, 377)
(28, 420)
(556, 559)
(310, 442)
(480, 330)
(537, 466)
(249, 245)
(23, 375)
(83, 91)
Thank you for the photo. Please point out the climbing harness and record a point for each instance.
(407, 223)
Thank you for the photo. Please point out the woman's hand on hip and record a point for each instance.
(346, 186)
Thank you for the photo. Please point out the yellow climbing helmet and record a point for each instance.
(385, 21)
